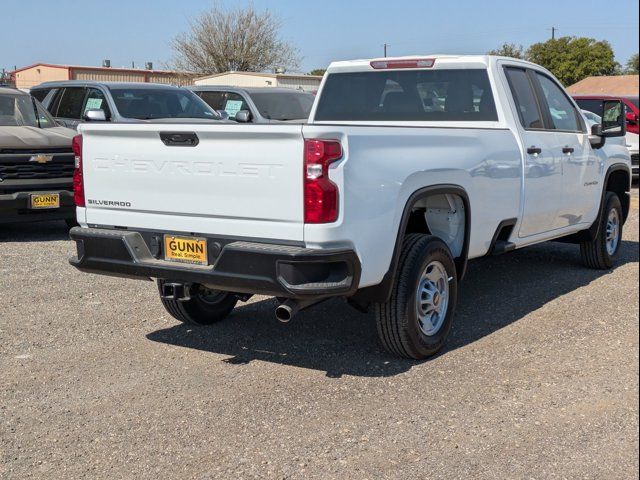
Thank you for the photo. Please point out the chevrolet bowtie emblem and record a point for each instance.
(41, 158)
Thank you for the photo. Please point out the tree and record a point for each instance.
(632, 65)
(239, 39)
(509, 50)
(571, 59)
(318, 71)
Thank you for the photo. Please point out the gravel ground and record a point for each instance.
(539, 379)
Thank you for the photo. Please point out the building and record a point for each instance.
(27, 77)
(606, 85)
(308, 83)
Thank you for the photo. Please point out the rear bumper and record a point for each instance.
(235, 266)
(16, 207)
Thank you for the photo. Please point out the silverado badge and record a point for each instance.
(41, 158)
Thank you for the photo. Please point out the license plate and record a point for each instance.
(185, 249)
(45, 200)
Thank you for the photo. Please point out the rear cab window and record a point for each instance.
(462, 95)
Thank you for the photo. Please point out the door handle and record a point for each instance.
(567, 150)
(534, 150)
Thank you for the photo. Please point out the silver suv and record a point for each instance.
(74, 101)
(258, 105)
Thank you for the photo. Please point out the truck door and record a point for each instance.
(580, 167)
(542, 169)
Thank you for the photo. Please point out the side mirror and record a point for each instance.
(243, 116)
(596, 139)
(95, 116)
(614, 122)
(632, 118)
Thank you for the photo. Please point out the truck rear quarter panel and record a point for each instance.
(383, 166)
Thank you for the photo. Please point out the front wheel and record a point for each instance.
(416, 320)
(601, 252)
(205, 306)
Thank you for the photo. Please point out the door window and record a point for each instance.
(40, 93)
(561, 111)
(233, 104)
(96, 101)
(525, 98)
(54, 101)
(591, 105)
(214, 99)
(71, 103)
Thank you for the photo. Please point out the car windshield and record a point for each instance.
(633, 100)
(283, 105)
(23, 111)
(150, 103)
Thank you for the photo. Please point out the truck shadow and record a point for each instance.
(34, 232)
(334, 338)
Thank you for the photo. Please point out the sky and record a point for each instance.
(126, 31)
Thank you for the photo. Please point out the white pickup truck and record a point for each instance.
(406, 169)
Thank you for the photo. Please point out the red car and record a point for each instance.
(593, 103)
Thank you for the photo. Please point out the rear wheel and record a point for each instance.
(205, 307)
(416, 320)
(602, 251)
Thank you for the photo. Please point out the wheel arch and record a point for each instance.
(382, 291)
(616, 180)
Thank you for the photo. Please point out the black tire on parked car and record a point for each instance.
(601, 252)
(204, 308)
(416, 320)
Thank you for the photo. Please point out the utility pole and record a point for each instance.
(385, 50)
(553, 33)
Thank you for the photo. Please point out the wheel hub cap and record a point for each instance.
(613, 231)
(432, 298)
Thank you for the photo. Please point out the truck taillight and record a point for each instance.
(320, 193)
(78, 181)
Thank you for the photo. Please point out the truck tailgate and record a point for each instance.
(238, 181)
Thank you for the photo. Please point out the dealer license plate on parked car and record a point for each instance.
(185, 249)
(45, 200)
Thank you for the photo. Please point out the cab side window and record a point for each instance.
(214, 99)
(561, 111)
(525, 99)
(40, 93)
(233, 104)
(71, 103)
(96, 101)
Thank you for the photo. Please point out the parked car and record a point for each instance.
(258, 105)
(36, 162)
(382, 197)
(593, 103)
(72, 102)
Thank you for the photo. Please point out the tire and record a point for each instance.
(601, 252)
(401, 330)
(201, 309)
